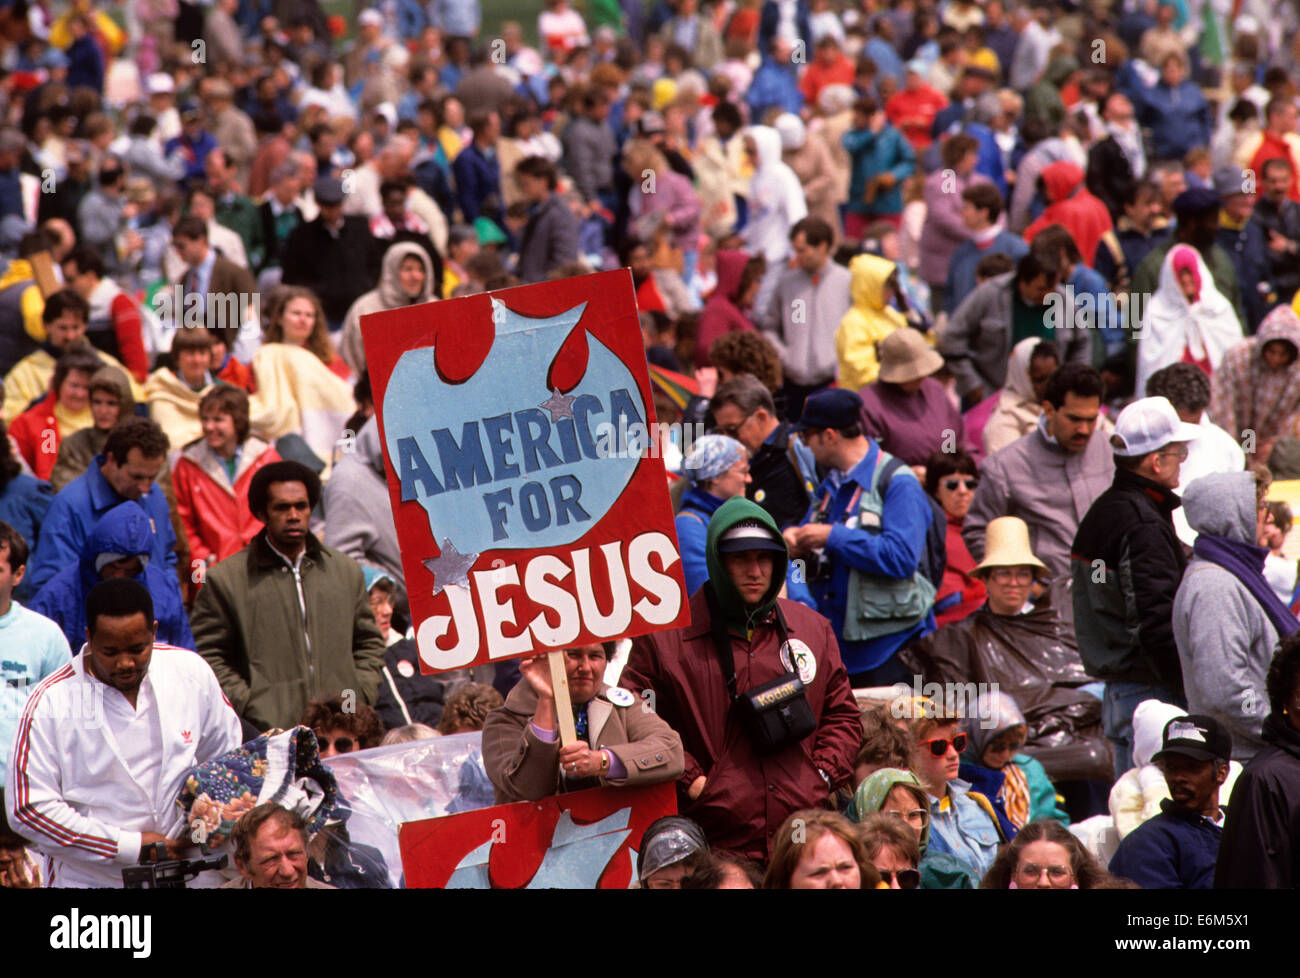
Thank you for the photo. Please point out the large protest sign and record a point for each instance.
(529, 512)
(583, 840)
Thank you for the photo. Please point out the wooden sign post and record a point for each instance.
(563, 704)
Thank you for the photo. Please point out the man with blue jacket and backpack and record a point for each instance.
(862, 554)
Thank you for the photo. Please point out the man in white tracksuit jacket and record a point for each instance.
(104, 744)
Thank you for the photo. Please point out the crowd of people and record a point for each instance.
(976, 324)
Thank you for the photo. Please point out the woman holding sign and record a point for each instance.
(621, 740)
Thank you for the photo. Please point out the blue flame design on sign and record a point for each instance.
(495, 461)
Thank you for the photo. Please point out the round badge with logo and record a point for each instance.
(619, 696)
(760, 496)
(405, 669)
(804, 662)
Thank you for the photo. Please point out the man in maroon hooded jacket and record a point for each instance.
(739, 796)
(725, 311)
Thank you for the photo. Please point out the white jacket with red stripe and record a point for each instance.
(68, 788)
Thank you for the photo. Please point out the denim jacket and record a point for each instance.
(960, 826)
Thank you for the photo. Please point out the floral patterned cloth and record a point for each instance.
(283, 767)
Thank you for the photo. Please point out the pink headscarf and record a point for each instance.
(1185, 261)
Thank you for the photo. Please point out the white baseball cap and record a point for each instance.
(160, 84)
(1148, 424)
(372, 18)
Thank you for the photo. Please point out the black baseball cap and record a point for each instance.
(835, 407)
(1201, 738)
(750, 534)
(328, 191)
(1197, 200)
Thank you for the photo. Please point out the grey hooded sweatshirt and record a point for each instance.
(389, 294)
(358, 513)
(1225, 640)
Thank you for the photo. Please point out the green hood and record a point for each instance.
(1060, 68)
(733, 511)
(871, 795)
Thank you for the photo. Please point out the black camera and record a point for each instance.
(157, 872)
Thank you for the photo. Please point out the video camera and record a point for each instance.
(157, 872)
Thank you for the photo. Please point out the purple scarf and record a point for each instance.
(1245, 562)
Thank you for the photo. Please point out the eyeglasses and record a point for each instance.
(952, 484)
(939, 745)
(916, 817)
(342, 745)
(1179, 453)
(908, 879)
(1002, 747)
(1032, 871)
(1007, 575)
(731, 430)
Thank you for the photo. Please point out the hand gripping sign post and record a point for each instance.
(529, 511)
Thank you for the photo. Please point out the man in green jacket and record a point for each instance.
(233, 209)
(286, 620)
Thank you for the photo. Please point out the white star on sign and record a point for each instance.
(450, 568)
(560, 406)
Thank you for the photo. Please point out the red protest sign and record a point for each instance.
(529, 511)
(583, 840)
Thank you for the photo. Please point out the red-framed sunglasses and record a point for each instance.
(939, 745)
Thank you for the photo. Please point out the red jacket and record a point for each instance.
(1275, 148)
(747, 796)
(340, 369)
(238, 374)
(1070, 204)
(957, 579)
(217, 521)
(721, 315)
(648, 298)
(128, 331)
(914, 112)
(36, 431)
(815, 77)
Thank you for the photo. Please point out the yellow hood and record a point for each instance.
(870, 272)
(19, 270)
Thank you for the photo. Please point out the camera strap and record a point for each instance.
(722, 640)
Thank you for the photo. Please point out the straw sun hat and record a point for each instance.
(1006, 544)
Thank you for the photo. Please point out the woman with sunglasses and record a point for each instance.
(893, 850)
(1045, 856)
(340, 731)
(950, 479)
(898, 794)
(963, 822)
(1020, 641)
(997, 767)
